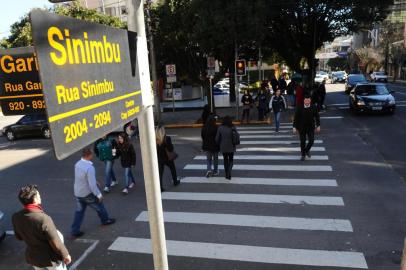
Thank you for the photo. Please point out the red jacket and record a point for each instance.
(299, 92)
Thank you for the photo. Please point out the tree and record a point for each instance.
(21, 31)
(337, 63)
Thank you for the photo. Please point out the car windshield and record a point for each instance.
(356, 79)
(379, 73)
(339, 73)
(369, 90)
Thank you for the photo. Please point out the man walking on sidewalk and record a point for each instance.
(306, 121)
(45, 248)
(87, 193)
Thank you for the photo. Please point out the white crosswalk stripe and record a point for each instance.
(268, 157)
(274, 142)
(251, 167)
(246, 253)
(278, 149)
(266, 146)
(262, 181)
(292, 223)
(254, 198)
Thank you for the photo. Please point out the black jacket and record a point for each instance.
(161, 149)
(277, 104)
(306, 119)
(209, 139)
(127, 155)
(247, 99)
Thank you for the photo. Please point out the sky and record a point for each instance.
(14, 10)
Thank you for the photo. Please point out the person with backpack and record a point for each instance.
(227, 138)
(277, 105)
(282, 84)
(127, 155)
(209, 132)
(166, 155)
(105, 149)
(246, 101)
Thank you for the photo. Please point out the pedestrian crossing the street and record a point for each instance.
(302, 198)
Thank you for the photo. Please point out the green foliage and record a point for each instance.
(21, 31)
(337, 63)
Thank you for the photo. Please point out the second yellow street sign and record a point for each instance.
(86, 71)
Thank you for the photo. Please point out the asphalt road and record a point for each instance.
(343, 209)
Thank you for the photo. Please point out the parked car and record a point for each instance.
(322, 74)
(353, 80)
(319, 78)
(28, 125)
(338, 76)
(372, 97)
(2, 229)
(379, 76)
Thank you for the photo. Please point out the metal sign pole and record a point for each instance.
(148, 147)
(173, 98)
(211, 95)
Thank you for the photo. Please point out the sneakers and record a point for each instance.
(125, 191)
(215, 173)
(131, 185)
(302, 158)
(109, 222)
(308, 154)
(106, 190)
(113, 183)
(208, 174)
(177, 182)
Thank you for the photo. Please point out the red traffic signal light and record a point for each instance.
(240, 67)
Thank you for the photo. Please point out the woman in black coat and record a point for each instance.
(165, 152)
(208, 134)
(126, 152)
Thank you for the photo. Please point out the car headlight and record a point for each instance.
(392, 102)
(361, 103)
(4, 130)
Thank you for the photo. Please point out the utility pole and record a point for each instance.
(236, 83)
(153, 65)
(147, 136)
(259, 64)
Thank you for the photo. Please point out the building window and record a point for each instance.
(123, 10)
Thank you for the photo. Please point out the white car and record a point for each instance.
(319, 78)
(322, 74)
(379, 76)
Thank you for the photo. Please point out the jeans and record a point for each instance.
(292, 100)
(81, 204)
(129, 177)
(212, 157)
(309, 134)
(261, 114)
(277, 120)
(171, 165)
(109, 172)
(228, 163)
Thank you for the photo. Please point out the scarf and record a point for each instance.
(31, 207)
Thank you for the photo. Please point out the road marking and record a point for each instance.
(401, 105)
(254, 198)
(262, 181)
(87, 252)
(256, 254)
(278, 149)
(276, 142)
(269, 136)
(331, 117)
(254, 167)
(263, 127)
(263, 131)
(292, 223)
(268, 157)
(338, 104)
(9, 232)
(344, 108)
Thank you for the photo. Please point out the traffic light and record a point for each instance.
(240, 67)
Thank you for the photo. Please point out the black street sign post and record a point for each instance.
(20, 86)
(86, 70)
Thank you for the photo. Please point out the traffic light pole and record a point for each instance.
(136, 23)
(236, 84)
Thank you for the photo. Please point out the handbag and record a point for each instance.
(172, 155)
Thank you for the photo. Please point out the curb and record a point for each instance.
(236, 123)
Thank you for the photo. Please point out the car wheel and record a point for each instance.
(10, 135)
(46, 132)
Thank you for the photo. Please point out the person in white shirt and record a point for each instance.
(87, 193)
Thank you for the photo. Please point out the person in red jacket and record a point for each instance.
(299, 93)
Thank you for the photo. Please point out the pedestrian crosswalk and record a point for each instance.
(300, 198)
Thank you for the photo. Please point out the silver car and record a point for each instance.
(2, 229)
